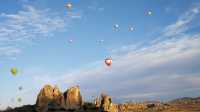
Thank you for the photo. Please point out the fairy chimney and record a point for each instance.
(49, 95)
(73, 98)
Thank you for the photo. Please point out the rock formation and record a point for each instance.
(73, 99)
(107, 105)
(97, 102)
(58, 97)
(50, 99)
(49, 95)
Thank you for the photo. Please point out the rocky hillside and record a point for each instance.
(51, 99)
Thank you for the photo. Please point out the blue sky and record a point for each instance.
(159, 60)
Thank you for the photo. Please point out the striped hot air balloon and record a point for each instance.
(108, 61)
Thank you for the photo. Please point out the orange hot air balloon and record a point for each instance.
(108, 61)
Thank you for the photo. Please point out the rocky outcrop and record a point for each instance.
(49, 96)
(107, 104)
(50, 99)
(73, 99)
(58, 97)
(97, 102)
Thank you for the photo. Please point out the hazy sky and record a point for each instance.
(49, 44)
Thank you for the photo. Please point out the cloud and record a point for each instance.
(9, 51)
(26, 1)
(21, 29)
(182, 24)
(75, 15)
(96, 6)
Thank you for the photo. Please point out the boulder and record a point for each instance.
(73, 99)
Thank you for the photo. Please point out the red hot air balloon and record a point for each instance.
(108, 61)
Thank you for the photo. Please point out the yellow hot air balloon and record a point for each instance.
(14, 71)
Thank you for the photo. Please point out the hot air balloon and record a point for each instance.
(70, 41)
(149, 13)
(68, 6)
(116, 27)
(14, 71)
(131, 29)
(108, 61)
(19, 100)
(20, 88)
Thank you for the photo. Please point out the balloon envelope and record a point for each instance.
(116, 27)
(131, 29)
(108, 61)
(14, 71)
(20, 88)
(19, 99)
(70, 41)
(69, 5)
(149, 12)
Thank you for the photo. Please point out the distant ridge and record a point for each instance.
(186, 100)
